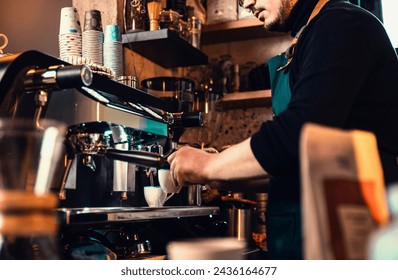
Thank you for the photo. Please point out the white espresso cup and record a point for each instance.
(155, 196)
(166, 181)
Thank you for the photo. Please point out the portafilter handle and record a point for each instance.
(58, 77)
(188, 119)
(142, 158)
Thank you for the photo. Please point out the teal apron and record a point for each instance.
(281, 93)
(283, 221)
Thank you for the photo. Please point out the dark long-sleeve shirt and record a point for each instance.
(344, 74)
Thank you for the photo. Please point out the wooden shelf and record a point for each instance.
(246, 99)
(165, 48)
(239, 30)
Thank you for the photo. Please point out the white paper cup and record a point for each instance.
(112, 33)
(222, 248)
(69, 21)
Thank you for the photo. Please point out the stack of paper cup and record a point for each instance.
(70, 33)
(113, 49)
(93, 37)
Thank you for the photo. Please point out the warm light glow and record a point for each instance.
(389, 8)
(48, 148)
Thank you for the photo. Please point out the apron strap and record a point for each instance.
(317, 9)
(290, 51)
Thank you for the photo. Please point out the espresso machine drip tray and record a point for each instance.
(98, 215)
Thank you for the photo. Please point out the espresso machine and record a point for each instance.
(117, 137)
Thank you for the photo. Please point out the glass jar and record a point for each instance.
(169, 19)
(136, 16)
(195, 30)
(177, 5)
(183, 31)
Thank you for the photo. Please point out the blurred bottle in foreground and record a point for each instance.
(383, 244)
(30, 155)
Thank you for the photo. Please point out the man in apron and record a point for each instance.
(340, 71)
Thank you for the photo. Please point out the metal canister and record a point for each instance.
(240, 222)
(194, 196)
(239, 213)
(259, 230)
(130, 81)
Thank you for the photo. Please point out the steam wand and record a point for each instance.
(43, 81)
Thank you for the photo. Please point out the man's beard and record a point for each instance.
(279, 24)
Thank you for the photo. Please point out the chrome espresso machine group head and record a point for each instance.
(116, 134)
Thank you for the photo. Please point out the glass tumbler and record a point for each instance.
(29, 155)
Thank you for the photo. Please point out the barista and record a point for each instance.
(341, 71)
